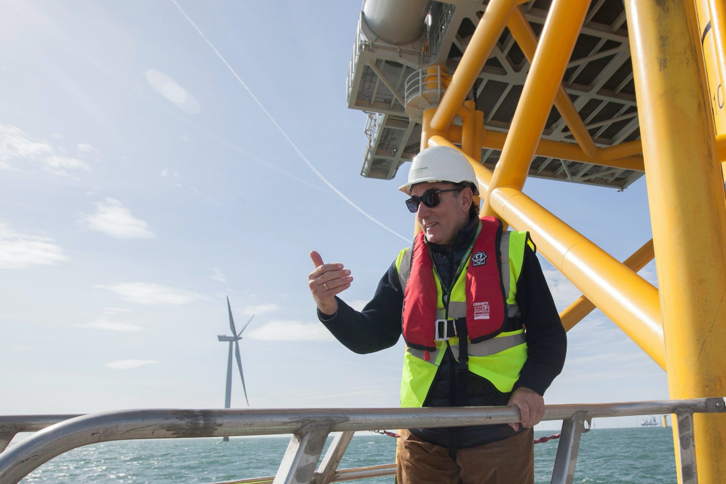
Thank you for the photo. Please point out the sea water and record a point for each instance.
(627, 455)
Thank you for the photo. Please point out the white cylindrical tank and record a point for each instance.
(396, 21)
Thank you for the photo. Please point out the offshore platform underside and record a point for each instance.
(598, 79)
(598, 92)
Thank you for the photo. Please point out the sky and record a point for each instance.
(143, 180)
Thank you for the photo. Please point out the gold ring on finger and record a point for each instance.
(325, 286)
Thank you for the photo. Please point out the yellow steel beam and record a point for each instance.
(548, 66)
(468, 129)
(622, 150)
(688, 216)
(717, 11)
(487, 32)
(426, 130)
(582, 306)
(527, 41)
(626, 298)
(619, 156)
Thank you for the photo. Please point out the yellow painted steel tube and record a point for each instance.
(627, 299)
(686, 198)
(426, 130)
(548, 66)
(582, 306)
(468, 130)
(622, 150)
(717, 11)
(487, 33)
(566, 151)
(721, 147)
(527, 41)
(494, 140)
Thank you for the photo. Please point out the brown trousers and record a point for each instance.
(509, 461)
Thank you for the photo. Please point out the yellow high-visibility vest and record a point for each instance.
(499, 359)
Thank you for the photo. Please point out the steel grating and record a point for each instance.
(599, 80)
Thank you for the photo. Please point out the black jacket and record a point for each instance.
(378, 327)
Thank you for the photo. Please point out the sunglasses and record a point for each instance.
(430, 198)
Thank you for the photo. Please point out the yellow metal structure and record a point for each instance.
(690, 251)
(673, 55)
(548, 67)
(582, 306)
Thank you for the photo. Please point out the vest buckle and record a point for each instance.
(445, 329)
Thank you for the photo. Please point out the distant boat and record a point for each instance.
(651, 421)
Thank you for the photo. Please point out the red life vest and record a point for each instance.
(485, 300)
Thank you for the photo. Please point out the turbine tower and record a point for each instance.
(233, 342)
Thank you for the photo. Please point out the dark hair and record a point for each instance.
(474, 208)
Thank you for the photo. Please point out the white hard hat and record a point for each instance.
(440, 164)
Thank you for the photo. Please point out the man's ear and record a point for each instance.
(467, 198)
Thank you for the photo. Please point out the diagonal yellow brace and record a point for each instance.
(544, 79)
(527, 41)
(627, 299)
(582, 306)
(487, 32)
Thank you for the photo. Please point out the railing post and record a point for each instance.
(564, 469)
(302, 454)
(329, 465)
(687, 448)
(5, 437)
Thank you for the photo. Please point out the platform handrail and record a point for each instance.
(310, 429)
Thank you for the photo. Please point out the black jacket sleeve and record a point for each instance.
(546, 338)
(375, 328)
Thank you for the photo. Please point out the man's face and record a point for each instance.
(442, 223)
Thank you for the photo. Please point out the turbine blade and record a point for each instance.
(231, 319)
(243, 327)
(239, 365)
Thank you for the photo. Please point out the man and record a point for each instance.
(479, 322)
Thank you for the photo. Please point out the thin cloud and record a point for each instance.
(18, 149)
(129, 364)
(291, 331)
(22, 250)
(173, 92)
(118, 326)
(113, 218)
(151, 294)
(260, 309)
(167, 173)
(218, 276)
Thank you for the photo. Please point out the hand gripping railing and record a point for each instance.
(310, 429)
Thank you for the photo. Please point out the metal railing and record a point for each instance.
(359, 45)
(372, 130)
(438, 29)
(310, 429)
(424, 89)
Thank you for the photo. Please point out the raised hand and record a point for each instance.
(326, 281)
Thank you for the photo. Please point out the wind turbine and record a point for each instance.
(233, 341)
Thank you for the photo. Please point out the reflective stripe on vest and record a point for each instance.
(497, 359)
